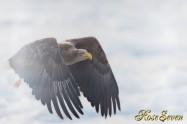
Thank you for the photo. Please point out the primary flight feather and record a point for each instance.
(57, 71)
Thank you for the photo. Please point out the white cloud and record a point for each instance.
(145, 42)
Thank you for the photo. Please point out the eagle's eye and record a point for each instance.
(82, 51)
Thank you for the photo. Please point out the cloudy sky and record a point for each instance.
(145, 41)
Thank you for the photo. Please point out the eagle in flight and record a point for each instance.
(57, 72)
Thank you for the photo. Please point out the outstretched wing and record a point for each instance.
(95, 77)
(40, 65)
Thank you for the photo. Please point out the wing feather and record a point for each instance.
(95, 77)
(41, 66)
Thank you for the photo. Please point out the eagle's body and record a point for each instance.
(56, 72)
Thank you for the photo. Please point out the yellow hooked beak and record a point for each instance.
(87, 56)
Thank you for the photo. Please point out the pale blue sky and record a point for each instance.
(145, 41)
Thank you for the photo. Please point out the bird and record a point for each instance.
(58, 71)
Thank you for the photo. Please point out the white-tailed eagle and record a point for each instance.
(57, 71)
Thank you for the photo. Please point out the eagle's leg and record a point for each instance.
(17, 83)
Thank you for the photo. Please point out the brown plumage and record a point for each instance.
(56, 72)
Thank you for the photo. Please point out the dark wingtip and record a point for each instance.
(81, 112)
(118, 103)
(105, 115)
(49, 107)
(97, 108)
(60, 117)
(43, 103)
